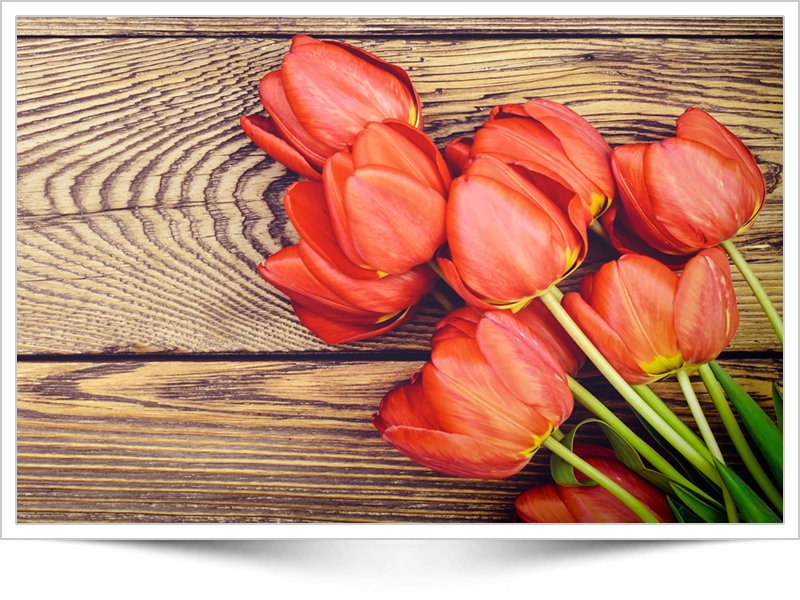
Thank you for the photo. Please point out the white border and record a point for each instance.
(8, 527)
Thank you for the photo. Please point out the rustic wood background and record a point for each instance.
(159, 379)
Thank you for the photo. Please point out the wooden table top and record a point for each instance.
(160, 379)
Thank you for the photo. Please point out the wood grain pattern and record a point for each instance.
(257, 442)
(407, 26)
(144, 210)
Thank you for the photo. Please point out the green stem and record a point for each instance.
(657, 404)
(587, 399)
(621, 493)
(708, 437)
(627, 392)
(557, 435)
(435, 266)
(755, 285)
(737, 437)
(600, 231)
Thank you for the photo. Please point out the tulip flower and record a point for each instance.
(324, 93)
(510, 238)
(490, 396)
(552, 503)
(554, 141)
(690, 192)
(337, 300)
(386, 195)
(649, 322)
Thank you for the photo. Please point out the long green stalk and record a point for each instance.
(755, 285)
(587, 399)
(624, 495)
(708, 437)
(627, 392)
(737, 437)
(657, 404)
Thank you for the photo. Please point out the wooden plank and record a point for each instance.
(137, 442)
(144, 210)
(405, 26)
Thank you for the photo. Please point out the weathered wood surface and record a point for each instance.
(257, 441)
(143, 211)
(405, 26)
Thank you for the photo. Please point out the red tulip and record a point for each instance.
(553, 141)
(649, 322)
(552, 503)
(386, 195)
(686, 193)
(509, 238)
(324, 93)
(488, 399)
(536, 317)
(334, 298)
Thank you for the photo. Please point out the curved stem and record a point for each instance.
(621, 493)
(657, 404)
(708, 436)
(755, 285)
(622, 386)
(587, 399)
(737, 437)
(442, 299)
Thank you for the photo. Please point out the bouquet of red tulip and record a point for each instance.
(501, 218)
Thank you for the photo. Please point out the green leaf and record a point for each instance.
(707, 511)
(681, 513)
(765, 433)
(752, 508)
(777, 401)
(692, 473)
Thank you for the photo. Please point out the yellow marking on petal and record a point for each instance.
(538, 441)
(413, 116)
(599, 205)
(385, 318)
(514, 307)
(663, 365)
(381, 274)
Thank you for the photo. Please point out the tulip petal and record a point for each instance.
(702, 210)
(384, 295)
(395, 221)
(308, 210)
(334, 332)
(454, 281)
(273, 96)
(457, 155)
(701, 127)
(469, 398)
(542, 504)
(334, 92)
(335, 174)
(525, 365)
(454, 454)
(405, 406)
(582, 143)
(541, 321)
(605, 339)
(400, 146)
(627, 163)
(505, 247)
(261, 130)
(706, 316)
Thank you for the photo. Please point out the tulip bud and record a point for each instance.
(509, 239)
(552, 503)
(324, 93)
(481, 408)
(686, 193)
(649, 322)
(554, 141)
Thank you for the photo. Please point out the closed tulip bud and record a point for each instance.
(509, 238)
(686, 193)
(334, 298)
(554, 141)
(324, 93)
(649, 322)
(386, 194)
(484, 404)
(552, 503)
